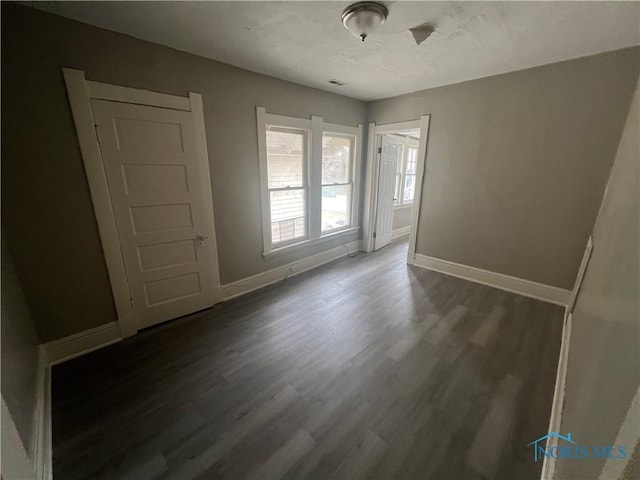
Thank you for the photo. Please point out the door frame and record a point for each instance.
(373, 173)
(81, 91)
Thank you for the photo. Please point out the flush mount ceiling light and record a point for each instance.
(362, 18)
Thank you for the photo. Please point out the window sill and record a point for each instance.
(308, 243)
(403, 206)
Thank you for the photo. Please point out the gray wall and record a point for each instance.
(604, 359)
(47, 212)
(517, 163)
(19, 354)
(401, 217)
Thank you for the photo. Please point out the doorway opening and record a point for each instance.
(396, 186)
(394, 183)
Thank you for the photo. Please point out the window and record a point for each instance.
(287, 154)
(308, 175)
(337, 186)
(406, 173)
(410, 175)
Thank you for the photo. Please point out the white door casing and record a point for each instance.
(164, 226)
(386, 190)
(154, 268)
(372, 172)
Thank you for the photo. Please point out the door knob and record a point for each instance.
(201, 238)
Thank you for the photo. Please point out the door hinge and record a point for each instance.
(379, 149)
(131, 300)
(375, 234)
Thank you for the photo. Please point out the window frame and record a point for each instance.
(408, 143)
(316, 128)
(304, 187)
(342, 132)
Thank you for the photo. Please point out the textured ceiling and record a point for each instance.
(305, 42)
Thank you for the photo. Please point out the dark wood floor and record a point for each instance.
(364, 368)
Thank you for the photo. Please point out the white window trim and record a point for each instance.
(355, 134)
(308, 243)
(305, 187)
(315, 127)
(407, 143)
(402, 206)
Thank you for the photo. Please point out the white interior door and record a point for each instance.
(163, 211)
(389, 155)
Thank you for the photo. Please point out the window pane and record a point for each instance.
(336, 207)
(285, 159)
(409, 186)
(287, 215)
(411, 161)
(400, 160)
(397, 196)
(336, 159)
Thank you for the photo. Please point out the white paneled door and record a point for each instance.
(386, 190)
(162, 209)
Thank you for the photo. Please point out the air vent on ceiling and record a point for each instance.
(336, 82)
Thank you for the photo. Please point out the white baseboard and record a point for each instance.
(81, 343)
(42, 447)
(400, 232)
(78, 344)
(539, 291)
(255, 282)
(555, 421)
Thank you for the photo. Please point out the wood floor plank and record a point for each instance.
(361, 460)
(246, 425)
(490, 441)
(284, 458)
(361, 368)
(147, 470)
(489, 327)
(411, 339)
(342, 432)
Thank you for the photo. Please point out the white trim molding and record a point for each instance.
(116, 93)
(371, 186)
(81, 343)
(400, 232)
(370, 190)
(407, 143)
(417, 194)
(397, 127)
(255, 282)
(309, 243)
(555, 420)
(42, 447)
(80, 92)
(197, 113)
(539, 291)
(80, 101)
(313, 130)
